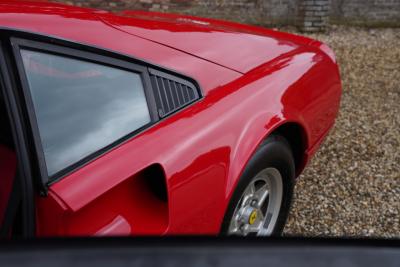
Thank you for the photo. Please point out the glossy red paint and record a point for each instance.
(219, 43)
(254, 81)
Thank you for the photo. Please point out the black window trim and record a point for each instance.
(18, 129)
(19, 43)
(50, 40)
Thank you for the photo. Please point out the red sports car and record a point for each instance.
(143, 123)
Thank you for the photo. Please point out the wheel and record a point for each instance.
(261, 202)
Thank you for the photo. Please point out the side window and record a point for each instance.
(81, 106)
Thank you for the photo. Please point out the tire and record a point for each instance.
(273, 154)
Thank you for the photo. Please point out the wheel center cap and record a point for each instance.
(253, 217)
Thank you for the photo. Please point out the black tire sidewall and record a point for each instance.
(273, 152)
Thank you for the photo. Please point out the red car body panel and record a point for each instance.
(217, 42)
(253, 80)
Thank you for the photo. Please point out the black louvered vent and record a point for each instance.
(171, 93)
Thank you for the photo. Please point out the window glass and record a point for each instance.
(81, 107)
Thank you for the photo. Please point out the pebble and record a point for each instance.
(351, 188)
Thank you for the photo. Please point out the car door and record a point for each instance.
(89, 110)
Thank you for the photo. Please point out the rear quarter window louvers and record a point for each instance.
(172, 93)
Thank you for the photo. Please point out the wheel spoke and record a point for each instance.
(253, 228)
(235, 231)
(247, 195)
(234, 227)
(260, 216)
(261, 195)
(250, 190)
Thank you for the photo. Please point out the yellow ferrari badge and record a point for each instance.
(253, 217)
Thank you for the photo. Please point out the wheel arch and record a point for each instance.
(296, 136)
(293, 130)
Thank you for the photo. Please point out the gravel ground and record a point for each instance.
(352, 186)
